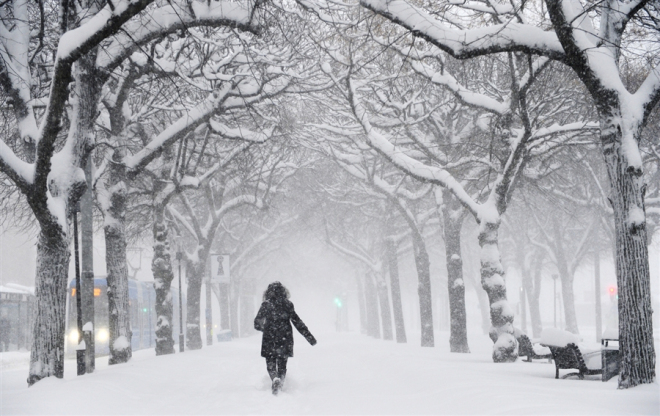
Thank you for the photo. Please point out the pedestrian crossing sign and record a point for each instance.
(220, 268)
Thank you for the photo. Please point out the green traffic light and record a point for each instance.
(338, 302)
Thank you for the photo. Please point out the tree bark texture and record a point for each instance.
(87, 261)
(161, 267)
(632, 258)
(424, 290)
(395, 287)
(114, 212)
(505, 348)
(453, 222)
(119, 324)
(385, 310)
(47, 354)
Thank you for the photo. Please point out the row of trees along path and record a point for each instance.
(181, 108)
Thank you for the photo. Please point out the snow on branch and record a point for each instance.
(216, 167)
(241, 133)
(182, 220)
(409, 165)
(173, 16)
(648, 94)
(351, 253)
(485, 7)
(466, 43)
(20, 172)
(184, 125)
(237, 202)
(472, 98)
(564, 128)
(266, 236)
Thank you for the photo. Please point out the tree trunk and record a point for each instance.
(119, 324)
(567, 295)
(47, 354)
(87, 262)
(209, 312)
(114, 213)
(161, 267)
(247, 293)
(393, 267)
(385, 313)
(373, 322)
(470, 273)
(193, 304)
(424, 289)
(225, 316)
(362, 305)
(566, 276)
(528, 289)
(247, 315)
(46, 357)
(632, 257)
(453, 222)
(533, 296)
(505, 348)
(234, 293)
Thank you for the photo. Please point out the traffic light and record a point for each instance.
(612, 291)
(338, 301)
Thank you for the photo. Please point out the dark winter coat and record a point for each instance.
(274, 319)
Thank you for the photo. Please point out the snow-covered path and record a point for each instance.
(346, 373)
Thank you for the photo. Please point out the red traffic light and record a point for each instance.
(612, 290)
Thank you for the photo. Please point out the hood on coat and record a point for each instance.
(276, 291)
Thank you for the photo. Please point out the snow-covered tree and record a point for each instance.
(48, 170)
(590, 39)
(505, 113)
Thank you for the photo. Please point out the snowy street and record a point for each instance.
(345, 373)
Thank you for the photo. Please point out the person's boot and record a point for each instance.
(277, 384)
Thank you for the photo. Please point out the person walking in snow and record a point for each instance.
(274, 319)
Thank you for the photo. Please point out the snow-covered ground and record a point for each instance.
(346, 373)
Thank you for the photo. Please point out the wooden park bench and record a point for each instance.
(570, 357)
(526, 349)
(611, 358)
